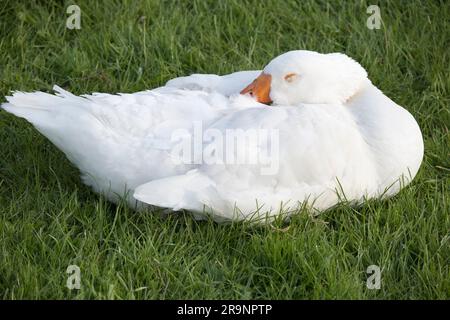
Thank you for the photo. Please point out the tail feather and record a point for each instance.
(65, 119)
(39, 107)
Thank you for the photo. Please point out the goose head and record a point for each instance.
(308, 77)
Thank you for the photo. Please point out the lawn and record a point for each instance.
(50, 220)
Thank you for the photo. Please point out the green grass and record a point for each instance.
(49, 220)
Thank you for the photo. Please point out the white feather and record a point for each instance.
(338, 136)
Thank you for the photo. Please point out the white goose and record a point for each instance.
(332, 134)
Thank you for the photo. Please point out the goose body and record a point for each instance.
(121, 141)
(338, 138)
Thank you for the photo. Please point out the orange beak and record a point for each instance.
(260, 88)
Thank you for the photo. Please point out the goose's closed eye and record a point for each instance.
(290, 77)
